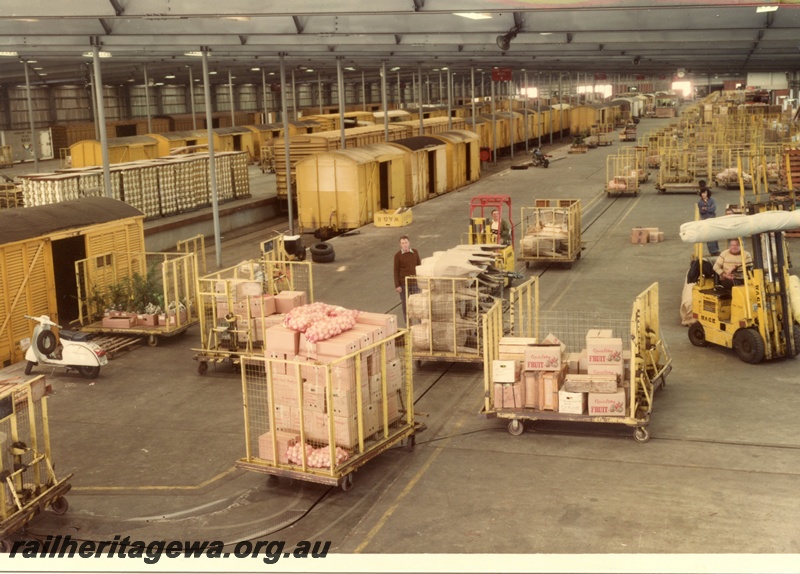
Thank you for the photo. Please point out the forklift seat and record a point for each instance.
(719, 292)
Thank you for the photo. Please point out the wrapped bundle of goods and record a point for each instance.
(315, 457)
(435, 306)
(618, 184)
(320, 321)
(773, 171)
(731, 175)
(441, 336)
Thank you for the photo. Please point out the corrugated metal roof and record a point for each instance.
(418, 142)
(29, 222)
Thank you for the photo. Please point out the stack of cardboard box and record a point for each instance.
(351, 364)
(642, 235)
(543, 377)
(254, 310)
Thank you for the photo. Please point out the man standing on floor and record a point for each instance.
(405, 265)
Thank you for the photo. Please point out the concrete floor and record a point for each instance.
(152, 444)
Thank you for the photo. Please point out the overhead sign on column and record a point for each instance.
(501, 74)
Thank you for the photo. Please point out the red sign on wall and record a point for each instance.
(501, 74)
(599, 76)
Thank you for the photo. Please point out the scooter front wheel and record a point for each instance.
(88, 372)
(29, 367)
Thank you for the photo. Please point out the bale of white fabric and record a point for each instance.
(730, 226)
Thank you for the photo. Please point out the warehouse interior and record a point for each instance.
(443, 103)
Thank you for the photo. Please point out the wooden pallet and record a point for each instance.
(114, 344)
(794, 166)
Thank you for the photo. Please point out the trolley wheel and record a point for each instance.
(411, 442)
(272, 480)
(347, 482)
(515, 427)
(29, 367)
(59, 505)
(641, 434)
(202, 367)
(152, 341)
(527, 265)
(697, 335)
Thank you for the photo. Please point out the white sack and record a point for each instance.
(730, 226)
(686, 304)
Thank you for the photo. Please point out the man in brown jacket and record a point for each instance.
(405, 265)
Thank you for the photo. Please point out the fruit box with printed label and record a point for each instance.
(607, 404)
(542, 357)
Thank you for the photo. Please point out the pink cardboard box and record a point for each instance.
(338, 346)
(283, 439)
(262, 305)
(542, 357)
(147, 320)
(119, 322)
(388, 322)
(280, 339)
(509, 396)
(285, 301)
(607, 404)
(278, 368)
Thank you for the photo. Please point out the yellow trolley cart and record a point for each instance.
(29, 483)
(551, 232)
(132, 283)
(643, 347)
(321, 421)
(236, 305)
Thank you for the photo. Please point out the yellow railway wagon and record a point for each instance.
(343, 189)
(426, 167)
(330, 122)
(38, 250)
(483, 128)
(463, 157)
(169, 141)
(88, 153)
(434, 125)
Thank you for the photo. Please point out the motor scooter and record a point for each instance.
(74, 350)
(539, 159)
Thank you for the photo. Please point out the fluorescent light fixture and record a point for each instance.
(760, 9)
(545, 33)
(212, 73)
(38, 68)
(271, 74)
(26, 19)
(193, 54)
(395, 69)
(170, 77)
(473, 15)
(131, 80)
(43, 74)
(159, 84)
(350, 69)
(237, 18)
(32, 61)
(100, 54)
(445, 69)
(309, 70)
(255, 69)
(9, 54)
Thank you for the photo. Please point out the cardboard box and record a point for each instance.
(574, 362)
(363, 336)
(583, 364)
(505, 371)
(653, 237)
(541, 357)
(602, 350)
(376, 332)
(572, 403)
(553, 340)
(607, 404)
(262, 305)
(639, 236)
(246, 289)
(338, 346)
(285, 301)
(513, 348)
(509, 396)
(119, 322)
(388, 322)
(616, 369)
(660, 236)
(280, 339)
(222, 309)
(306, 348)
(285, 418)
(590, 383)
(278, 368)
(171, 319)
(241, 308)
(391, 349)
(283, 439)
(652, 231)
(147, 320)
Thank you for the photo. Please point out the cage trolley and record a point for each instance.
(30, 484)
(320, 423)
(648, 365)
(551, 232)
(446, 317)
(234, 310)
(120, 279)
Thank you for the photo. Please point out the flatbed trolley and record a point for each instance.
(650, 364)
(30, 484)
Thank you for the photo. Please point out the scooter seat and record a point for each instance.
(76, 336)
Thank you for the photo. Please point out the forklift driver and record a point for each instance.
(502, 227)
(729, 265)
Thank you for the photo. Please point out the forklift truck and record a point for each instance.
(754, 318)
(480, 230)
